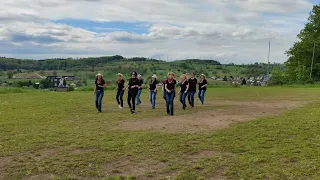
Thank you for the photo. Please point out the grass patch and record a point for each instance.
(7, 90)
(60, 135)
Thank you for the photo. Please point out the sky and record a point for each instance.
(230, 31)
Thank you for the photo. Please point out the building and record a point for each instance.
(55, 80)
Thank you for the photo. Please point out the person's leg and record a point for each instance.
(189, 97)
(117, 97)
(121, 98)
(203, 92)
(184, 100)
(192, 98)
(134, 95)
(180, 98)
(100, 101)
(172, 95)
(154, 99)
(129, 100)
(199, 95)
(138, 96)
(96, 99)
(168, 102)
(150, 97)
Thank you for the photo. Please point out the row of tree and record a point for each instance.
(64, 64)
(303, 64)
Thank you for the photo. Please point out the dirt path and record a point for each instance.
(231, 112)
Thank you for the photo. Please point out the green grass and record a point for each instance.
(60, 135)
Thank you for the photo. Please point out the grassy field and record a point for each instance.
(52, 135)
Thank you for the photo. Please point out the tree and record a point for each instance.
(278, 77)
(41, 73)
(300, 54)
(10, 74)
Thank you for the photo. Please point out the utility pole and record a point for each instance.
(268, 60)
(314, 47)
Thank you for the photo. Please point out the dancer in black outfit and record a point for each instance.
(120, 90)
(170, 87)
(133, 86)
(192, 89)
(184, 86)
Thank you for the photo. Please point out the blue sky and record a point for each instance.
(100, 27)
(228, 31)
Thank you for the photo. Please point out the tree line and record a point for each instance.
(303, 64)
(70, 63)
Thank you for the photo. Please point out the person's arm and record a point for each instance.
(166, 88)
(124, 87)
(104, 84)
(95, 87)
(205, 85)
(141, 85)
(187, 88)
(116, 87)
(127, 85)
(157, 86)
(197, 85)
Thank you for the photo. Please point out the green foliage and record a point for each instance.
(21, 84)
(70, 88)
(10, 74)
(300, 54)
(278, 77)
(8, 90)
(42, 73)
(302, 74)
(46, 83)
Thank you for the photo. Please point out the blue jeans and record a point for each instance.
(119, 97)
(153, 96)
(169, 102)
(138, 97)
(191, 98)
(183, 96)
(201, 95)
(98, 99)
(165, 95)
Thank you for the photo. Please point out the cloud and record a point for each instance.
(42, 39)
(229, 30)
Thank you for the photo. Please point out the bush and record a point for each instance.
(70, 88)
(236, 85)
(11, 90)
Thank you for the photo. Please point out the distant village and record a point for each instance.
(261, 80)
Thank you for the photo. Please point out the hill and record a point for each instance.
(86, 68)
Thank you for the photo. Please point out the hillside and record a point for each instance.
(86, 68)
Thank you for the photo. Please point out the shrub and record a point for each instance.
(70, 88)
(236, 85)
(11, 90)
